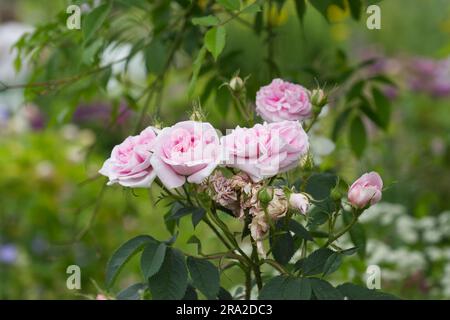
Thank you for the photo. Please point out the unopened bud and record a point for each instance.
(318, 98)
(264, 197)
(236, 84)
(336, 195)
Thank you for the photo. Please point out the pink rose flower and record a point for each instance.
(366, 190)
(265, 149)
(189, 149)
(282, 100)
(129, 164)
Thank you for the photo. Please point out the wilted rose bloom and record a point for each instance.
(223, 192)
(366, 190)
(278, 206)
(282, 100)
(300, 202)
(189, 149)
(265, 149)
(258, 229)
(129, 164)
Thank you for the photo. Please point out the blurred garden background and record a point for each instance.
(95, 89)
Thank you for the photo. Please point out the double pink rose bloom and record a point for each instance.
(266, 149)
(282, 100)
(129, 164)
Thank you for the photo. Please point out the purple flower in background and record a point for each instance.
(8, 253)
(100, 113)
(430, 76)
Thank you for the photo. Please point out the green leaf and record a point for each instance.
(194, 240)
(286, 288)
(383, 107)
(155, 57)
(215, 40)
(94, 20)
(319, 185)
(316, 217)
(122, 255)
(197, 65)
(355, 292)
(340, 123)
(300, 8)
(355, 8)
(197, 216)
(230, 4)
(325, 291)
(357, 235)
(283, 247)
(253, 8)
(205, 276)
(332, 264)
(356, 90)
(223, 100)
(152, 258)
(141, 4)
(350, 251)
(365, 107)
(300, 230)
(358, 139)
(170, 283)
(383, 79)
(181, 212)
(132, 292)
(258, 23)
(190, 293)
(224, 295)
(315, 262)
(206, 21)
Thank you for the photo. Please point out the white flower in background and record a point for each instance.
(44, 169)
(432, 236)
(445, 281)
(406, 229)
(69, 132)
(444, 223)
(385, 213)
(434, 253)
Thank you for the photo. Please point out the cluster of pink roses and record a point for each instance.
(191, 150)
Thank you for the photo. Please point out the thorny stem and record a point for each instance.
(256, 265)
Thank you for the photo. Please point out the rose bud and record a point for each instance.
(236, 84)
(299, 201)
(366, 190)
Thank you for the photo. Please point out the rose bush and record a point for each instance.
(244, 174)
